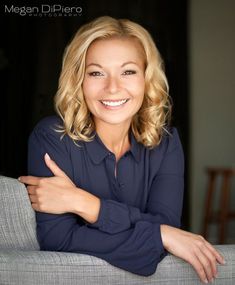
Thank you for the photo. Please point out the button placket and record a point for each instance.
(110, 167)
(120, 176)
(111, 164)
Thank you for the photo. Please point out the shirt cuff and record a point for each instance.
(115, 217)
(101, 215)
(158, 241)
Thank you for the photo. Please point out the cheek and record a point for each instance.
(91, 88)
(137, 88)
(140, 91)
(87, 88)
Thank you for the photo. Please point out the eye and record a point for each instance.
(129, 72)
(95, 73)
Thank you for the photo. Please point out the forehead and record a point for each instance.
(115, 49)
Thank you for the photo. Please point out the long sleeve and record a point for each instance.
(165, 198)
(137, 249)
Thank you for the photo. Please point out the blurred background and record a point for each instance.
(197, 41)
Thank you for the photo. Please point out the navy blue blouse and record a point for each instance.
(146, 192)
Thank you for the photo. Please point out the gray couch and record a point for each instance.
(21, 262)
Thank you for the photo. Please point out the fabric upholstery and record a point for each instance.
(17, 218)
(22, 263)
(40, 267)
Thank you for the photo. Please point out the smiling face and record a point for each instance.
(114, 81)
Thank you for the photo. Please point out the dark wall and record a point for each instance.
(30, 61)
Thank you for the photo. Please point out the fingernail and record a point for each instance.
(205, 281)
(212, 280)
(223, 261)
(19, 178)
(47, 156)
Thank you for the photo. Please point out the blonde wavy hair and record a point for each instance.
(150, 122)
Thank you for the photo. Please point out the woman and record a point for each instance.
(106, 175)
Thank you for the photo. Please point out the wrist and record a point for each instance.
(165, 235)
(71, 200)
(86, 205)
(75, 202)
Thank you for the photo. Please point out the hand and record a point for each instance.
(194, 249)
(53, 195)
(58, 194)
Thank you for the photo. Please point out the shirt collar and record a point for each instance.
(98, 151)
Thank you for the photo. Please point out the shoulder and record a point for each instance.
(49, 124)
(169, 142)
(46, 138)
(49, 130)
(168, 156)
(172, 139)
(170, 148)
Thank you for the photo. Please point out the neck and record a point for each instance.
(114, 137)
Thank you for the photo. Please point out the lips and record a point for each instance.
(113, 103)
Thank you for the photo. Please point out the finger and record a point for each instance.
(35, 207)
(217, 255)
(30, 180)
(31, 189)
(198, 268)
(54, 167)
(208, 262)
(33, 198)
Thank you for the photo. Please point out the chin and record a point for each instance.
(116, 121)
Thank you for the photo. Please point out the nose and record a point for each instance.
(112, 85)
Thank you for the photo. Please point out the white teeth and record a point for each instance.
(114, 103)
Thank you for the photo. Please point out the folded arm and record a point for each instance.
(123, 235)
(137, 249)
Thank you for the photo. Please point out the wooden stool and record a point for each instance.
(224, 214)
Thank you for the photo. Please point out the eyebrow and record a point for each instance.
(124, 64)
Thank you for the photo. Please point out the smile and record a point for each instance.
(114, 103)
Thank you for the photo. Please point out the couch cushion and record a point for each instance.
(17, 218)
(59, 268)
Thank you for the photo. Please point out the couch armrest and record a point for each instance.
(40, 267)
